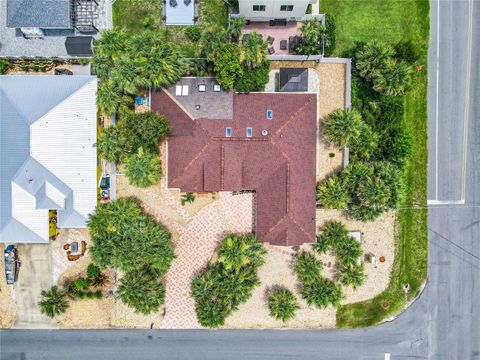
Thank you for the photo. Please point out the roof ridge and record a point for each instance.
(300, 227)
(178, 104)
(292, 117)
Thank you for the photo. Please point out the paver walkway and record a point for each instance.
(197, 242)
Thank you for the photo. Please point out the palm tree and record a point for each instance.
(188, 197)
(334, 234)
(143, 169)
(253, 50)
(372, 57)
(343, 126)
(322, 293)
(110, 145)
(109, 97)
(351, 274)
(364, 146)
(393, 79)
(282, 304)
(142, 290)
(332, 194)
(53, 302)
(106, 49)
(312, 31)
(212, 39)
(307, 267)
(235, 28)
(236, 251)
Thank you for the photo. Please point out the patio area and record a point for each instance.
(280, 37)
(180, 12)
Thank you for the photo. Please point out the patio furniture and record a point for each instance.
(270, 39)
(74, 247)
(187, 2)
(139, 100)
(173, 3)
(271, 50)
(283, 44)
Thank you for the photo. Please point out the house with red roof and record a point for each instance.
(259, 142)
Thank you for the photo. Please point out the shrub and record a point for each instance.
(82, 284)
(355, 174)
(342, 126)
(332, 194)
(322, 292)
(4, 66)
(193, 33)
(95, 276)
(330, 32)
(282, 304)
(212, 39)
(218, 290)
(253, 79)
(143, 169)
(392, 177)
(143, 130)
(407, 51)
(142, 290)
(307, 267)
(396, 145)
(126, 237)
(227, 65)
(53, 302)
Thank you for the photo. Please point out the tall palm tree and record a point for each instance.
(343, 126)
(53, 302)
(235, 28)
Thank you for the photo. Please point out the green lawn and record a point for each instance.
(136, 15)
(391, 21)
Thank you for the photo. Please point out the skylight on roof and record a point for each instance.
(249, 132)
(228, 132)
(269, 114)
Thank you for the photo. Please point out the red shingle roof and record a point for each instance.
(279, 166)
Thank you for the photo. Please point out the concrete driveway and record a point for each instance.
(35, 275)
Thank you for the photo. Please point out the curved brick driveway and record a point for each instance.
(197, 242)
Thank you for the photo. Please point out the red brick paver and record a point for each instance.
(231, 213)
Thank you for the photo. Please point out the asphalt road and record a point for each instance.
(444, 323)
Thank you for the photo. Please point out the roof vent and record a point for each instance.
(197, 107)
(264, 132)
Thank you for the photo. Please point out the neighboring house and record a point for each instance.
(261, 142)
(48, 28)
(47, 154)
(264, 10)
